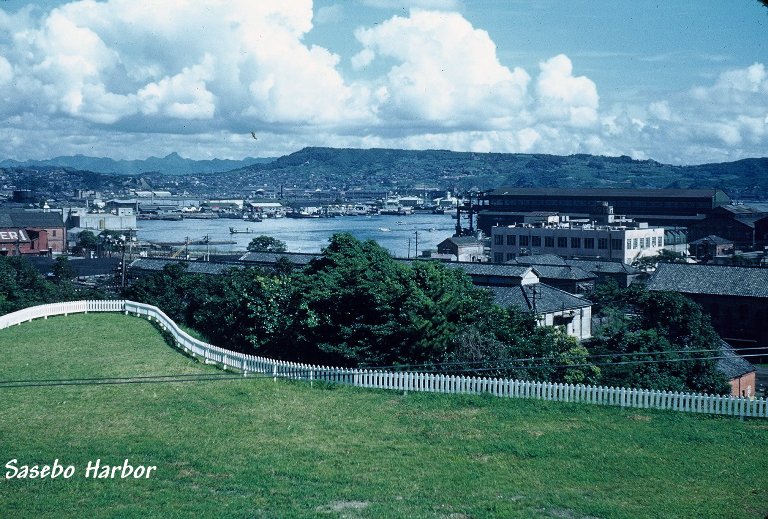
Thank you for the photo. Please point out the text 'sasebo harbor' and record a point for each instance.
(93, 470)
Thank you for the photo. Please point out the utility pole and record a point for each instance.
(416, 253)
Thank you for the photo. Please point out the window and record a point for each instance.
(629, 243)
(575, 243)
(510, 256)
(498, 257)
(616, 243)
(634, 243)
(653, 241)
(498, 239)
(535, 241)
(661, 241)
(549, 241)
(54, 233)
(602, 243)
(523, 241)
(589, 243)
(511, 238)
(562, 242)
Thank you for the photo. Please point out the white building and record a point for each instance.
(625, 243)
(121, 219)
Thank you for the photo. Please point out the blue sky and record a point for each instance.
(680, 82)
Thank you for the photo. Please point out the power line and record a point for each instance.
(306, 373)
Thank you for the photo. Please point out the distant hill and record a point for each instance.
(172, 164)
(331, 167)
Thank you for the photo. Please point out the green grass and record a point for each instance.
(256, 448)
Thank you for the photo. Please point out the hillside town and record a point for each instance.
(544, 251)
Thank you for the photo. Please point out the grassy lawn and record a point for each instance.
(256, 448)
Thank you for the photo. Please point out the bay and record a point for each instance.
(308, 235)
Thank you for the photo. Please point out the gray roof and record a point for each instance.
(605, 192)
(594, 266)
(272, 257)
(193, 267)
(562, 272)
(711, 239)
(462, 240)
(720, 280)
(31, 219)
(605, 267)
(490, 269)
(732, 365)
(547, 299)
(539, 259)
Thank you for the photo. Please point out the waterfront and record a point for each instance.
(309, 234)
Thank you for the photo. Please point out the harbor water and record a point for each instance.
(398, 234)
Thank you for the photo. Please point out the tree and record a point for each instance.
(62, 271)
(265, 243)
(86, 241)
(669, 327)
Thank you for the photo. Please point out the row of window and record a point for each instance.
(576, 243)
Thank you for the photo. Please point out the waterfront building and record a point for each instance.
(621, 243)
(662, 207)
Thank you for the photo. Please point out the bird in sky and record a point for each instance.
(253, 134)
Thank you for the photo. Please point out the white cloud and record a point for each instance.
(218, 69)
(446, 73)
(563, 97)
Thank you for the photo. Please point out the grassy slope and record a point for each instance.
(257, 448)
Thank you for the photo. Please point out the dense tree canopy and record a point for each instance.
(266, 243)
(651, 333)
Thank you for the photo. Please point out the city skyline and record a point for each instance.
(684, 83)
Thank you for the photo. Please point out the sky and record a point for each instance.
(681, 82)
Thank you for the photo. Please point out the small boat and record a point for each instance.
(384, 229)
(232, 230)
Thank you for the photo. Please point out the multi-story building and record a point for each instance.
(664, 207)
(608, 242)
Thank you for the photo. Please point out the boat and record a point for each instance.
(384, 229)
(232, 230)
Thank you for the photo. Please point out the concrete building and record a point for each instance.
(462, 248)
(608, 242)
(121, 219)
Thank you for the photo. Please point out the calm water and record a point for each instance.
(309, 235)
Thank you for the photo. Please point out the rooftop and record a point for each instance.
(537, 297)
(722, 280)
(606, 192)
(733, 365)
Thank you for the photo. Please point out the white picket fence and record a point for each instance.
(409, 381)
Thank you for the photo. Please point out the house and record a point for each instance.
(736, 298)
(31, 232)
(709, 247)
(741, 374)
(549, 306)
(462, 248)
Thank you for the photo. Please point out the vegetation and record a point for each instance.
(648, 263)
(22, 286)
(656, 330)
(257, 448)
(356, 306)
(265, 243)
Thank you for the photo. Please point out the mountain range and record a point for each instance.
(171, 164)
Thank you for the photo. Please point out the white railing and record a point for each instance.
(409, 381)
